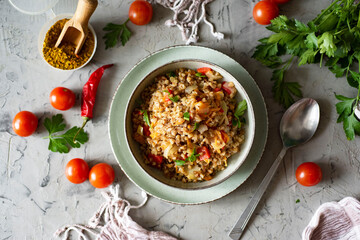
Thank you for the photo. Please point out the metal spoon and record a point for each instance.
(297, 126)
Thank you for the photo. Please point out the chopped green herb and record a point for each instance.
(174, 99)
(60, 143)
(239, 111)
(171, 74)
(297, 201)
(187, 116)
(179, 162)
(193, 156)
(196, 126)
(200, 75)
(146, 117)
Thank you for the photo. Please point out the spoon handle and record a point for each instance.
(240, 225)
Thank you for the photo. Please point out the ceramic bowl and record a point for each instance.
(234, 162)
(45, 29)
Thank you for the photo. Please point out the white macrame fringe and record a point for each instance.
(112, 222)
(189, 24)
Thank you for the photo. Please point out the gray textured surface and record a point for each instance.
(36, 198)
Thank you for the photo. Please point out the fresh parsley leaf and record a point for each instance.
(344, 108)
(297, 201)
(171, 74)
(326, 44)
(193, 156)
(60, 143)
(179, 162)
(311, 41)
(175, 98)
(146, 117)
(55, 124)
(351, 126)
(240, 108)
(116, 31)
(187, 116)
(196, 126)
(200, 75)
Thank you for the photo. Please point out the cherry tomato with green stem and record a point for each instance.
(101, 175)
(265, 11)
(24, 123)
(308, 174)
(77, 170)
(62, 98)
(140, 12)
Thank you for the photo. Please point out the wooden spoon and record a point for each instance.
(76, 29)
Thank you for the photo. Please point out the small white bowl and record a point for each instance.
(45, 29)
(234, 162)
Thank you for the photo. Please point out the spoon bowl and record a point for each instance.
(299, 122)
(297, 126)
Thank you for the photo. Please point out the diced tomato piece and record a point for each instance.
(217, 89)
(224, 136)
(226, 89)
(146, 130)
(166, 98)
(155, 158)
(203, 70)
(204, 153)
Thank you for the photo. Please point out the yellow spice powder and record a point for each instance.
(64, 57)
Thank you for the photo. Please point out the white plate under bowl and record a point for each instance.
(117, 123)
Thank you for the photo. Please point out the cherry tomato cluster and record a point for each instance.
(100, 176)
(25, 123)
(77, 170)
(266, 10)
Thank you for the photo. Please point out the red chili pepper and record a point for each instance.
(217, 89)
(170, 91)
(89, 93)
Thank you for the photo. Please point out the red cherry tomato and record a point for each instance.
(77, 170)
(204, 153)
(264, 11)
(101, 175)
(203, 70)
(140, 12)
(279, 1)
(308, 174)
(25, 123)
(62, 98)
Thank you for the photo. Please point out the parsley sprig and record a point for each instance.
(60, 143)
(239, 112)
(331, 39)
(116, 31)
(191, 158)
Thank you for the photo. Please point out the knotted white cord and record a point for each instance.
(189, 24)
